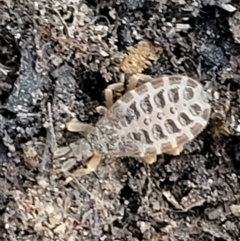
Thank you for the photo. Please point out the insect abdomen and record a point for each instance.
(154, 118)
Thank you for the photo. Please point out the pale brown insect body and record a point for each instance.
(158, 117)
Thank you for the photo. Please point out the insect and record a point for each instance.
(138, 58)
(160, 116)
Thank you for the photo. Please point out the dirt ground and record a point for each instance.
(56, 59)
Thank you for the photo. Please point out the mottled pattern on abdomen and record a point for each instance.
(153, 119)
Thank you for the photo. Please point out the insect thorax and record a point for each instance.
(84, 149)
(104, 138)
